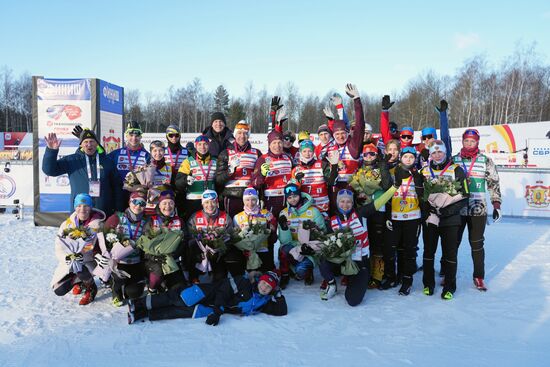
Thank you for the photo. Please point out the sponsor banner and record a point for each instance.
(16, 184)
(539, 152)
(111, 111)
(62, 104)
(525, 193)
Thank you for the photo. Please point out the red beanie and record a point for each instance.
(138, 194)
(339, 125)
(274, 135)
(270, 278)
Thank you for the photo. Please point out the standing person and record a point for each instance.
(129, 225)
(446, 222)
(234, 169)
(404, 226)
(349, 147)
(429, 134)
(196, 174)
(288, 145)
(74, 270)
(100, 181)
(161, 178)
(174, 156)
(325, 141)
(299, 209)
(315, 175)
(241, 295)
(252, 212)
(482, 175)
(219, 134)
(271, 174)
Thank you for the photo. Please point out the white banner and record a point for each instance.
(539, 152)
(16, 184)
(525, 193)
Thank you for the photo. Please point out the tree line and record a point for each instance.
(517, 90)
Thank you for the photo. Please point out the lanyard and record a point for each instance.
(471, 166)
(339, 222)
(129, 160)
(207, 174)
(406, 191)
(343, 153)
(133, 237)
(172, 162)
(89, 168)
(440, 173)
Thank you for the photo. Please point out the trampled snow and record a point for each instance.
(507, 326)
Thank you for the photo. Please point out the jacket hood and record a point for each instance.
(307, 203)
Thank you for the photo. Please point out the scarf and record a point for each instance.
(469, 152)
(254, 211)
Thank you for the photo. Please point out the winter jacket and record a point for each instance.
(203, 169)
(95, 224)
(234, 185)
(218, 142)
(110, 199)
(295, 216)
(137, 158)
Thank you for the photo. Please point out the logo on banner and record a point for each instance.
(111, 142)
(537, 196)
(112, 95)
(7, 187)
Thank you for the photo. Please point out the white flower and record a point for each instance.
(339, 243)
(333, 238)
(340, 235)
(111, 237)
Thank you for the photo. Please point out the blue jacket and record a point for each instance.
(75, 166)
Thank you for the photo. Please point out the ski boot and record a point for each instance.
(480, 285)
(89, 294)
(330, 291)
(406, 286)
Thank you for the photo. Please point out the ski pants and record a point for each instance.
(476, 229)
(65, 285)
(300, 267)
(132, 287)
(449, 236)
(357, 284)
(404, 235)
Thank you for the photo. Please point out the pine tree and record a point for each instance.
(221, 100)
(236, 111)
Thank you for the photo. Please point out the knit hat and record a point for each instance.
(406, 150)
(217, 116)
(303, 135)
(242, 125)
(250, 192)
(324, 128)
(88, 134)
(407, 130)
(270, 278)
(133, 128)
(344, 193)
(339, 125)
(167, 195)
(291, 189)
(304, 144)
(438, 146)
(368, 127)
(82, 199)
(370, 148)
(471, 133)
(173, 129)
(138, 194)
(429, 131)
(209, 195)
(274, 135)
(202, 138)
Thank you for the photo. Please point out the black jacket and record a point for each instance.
(218, 142)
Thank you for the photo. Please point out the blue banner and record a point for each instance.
(111, 97)
(63, 89)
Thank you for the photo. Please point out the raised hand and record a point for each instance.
(276, 103)
(52, 142)
(352, 91)
(386, 102)
(443, 105)
(77, 131)
(328, 113)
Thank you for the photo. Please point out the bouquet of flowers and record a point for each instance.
(310, 240)
(250, 239)
(114, 247)
(142, 177)
(160, 245)
(366, 181)
(212, 242)
(441, 192)
(75, 242)
(79, 232)
(338, 248)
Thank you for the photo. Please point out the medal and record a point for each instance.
(341, 165)
(402, 205)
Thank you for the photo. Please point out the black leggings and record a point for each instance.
(404, 237)
(132, 287)
(476, 229)
(449, 248)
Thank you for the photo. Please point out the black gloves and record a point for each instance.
(386, 103)
(77, 131)
(276, 104)
(299, 176)
(306, 250)
(443, 105)
(214, 318)
(400, 174)
(283, 222)
(308, 224)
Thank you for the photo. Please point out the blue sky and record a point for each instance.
(319, 45)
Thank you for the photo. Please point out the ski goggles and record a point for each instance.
(136, 132)
(409, 150)
(406, 137)
(139, 202)
(372, 154)
(209, 195)
(291, 190)
(174, 135)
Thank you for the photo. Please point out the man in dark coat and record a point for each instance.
(102, 183)
(219, 134)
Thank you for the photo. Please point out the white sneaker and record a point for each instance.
(329, 292)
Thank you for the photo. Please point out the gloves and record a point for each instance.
(400, 174)
(389, 225)
(101, 261)
(443, 105)
(496, 212)
(281, 116)
(283, 222)
(333, 157)
(328, 113)
(214, 318)
(233, 165)
(74, 257)
(308, 224)
(299, 176)
(306, 250)
(77, 131)
(276, 104)
(352, 91)
(337, 100)
(386, 104)
(265, 169)
(190, 180)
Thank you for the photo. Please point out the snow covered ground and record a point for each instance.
(507, 326)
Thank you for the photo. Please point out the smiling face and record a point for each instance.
(166, 207)
(345, 204)
(276, 147)
(173, 138)
(157, 153)
(393, 150)
(218, 125)
(209, 206)
(133, 140)
(264, 288)
(241, 137)
(250, 202)
(202, 147)
(307, 154)
(83, 212)
(369, 156)
(340, 136)
(137, 205)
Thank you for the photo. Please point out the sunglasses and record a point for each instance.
(288, 138)
(139, 202)
(430, 136)
(173, 135)
(406, 137)
(372, 154)
(134, 132)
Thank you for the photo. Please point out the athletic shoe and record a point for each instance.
(428, 291)
(344, 281)
(324, 285)
(330, 291)
(77, 289)
(117, 302)
(479, 284)
(374, 284)
(447, 295)
(406, 286)
(89, 295)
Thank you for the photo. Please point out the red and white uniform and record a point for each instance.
(202, 222)
(279, 174)
(347, 164)
(314, 184)
(174, 224)
(242, 176)
(321, 150)
(359, 231)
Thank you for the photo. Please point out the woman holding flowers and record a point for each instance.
(74, 245)
(446, 191)
(258, 228)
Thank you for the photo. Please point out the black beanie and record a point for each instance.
(217, 116)
(87, 134)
